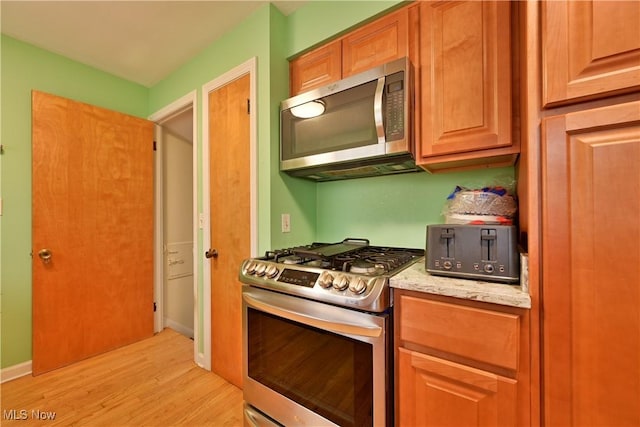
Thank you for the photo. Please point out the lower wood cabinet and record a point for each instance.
(459, 362)
(437, 392)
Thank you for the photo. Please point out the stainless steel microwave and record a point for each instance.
(359, 126)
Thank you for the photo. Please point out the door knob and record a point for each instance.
(211, 253)
(45, 255)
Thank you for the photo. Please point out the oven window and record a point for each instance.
(327, 373)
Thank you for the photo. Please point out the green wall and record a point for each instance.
(388, 210)
(24, 68)
(393, 210)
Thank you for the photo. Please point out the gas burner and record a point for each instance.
(342, 262)
(291, 259)
(362, 266)
(317, 263)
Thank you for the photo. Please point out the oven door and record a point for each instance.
(309, 363)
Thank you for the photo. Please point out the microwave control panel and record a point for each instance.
(394, 107)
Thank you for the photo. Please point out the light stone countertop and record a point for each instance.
(416, 278)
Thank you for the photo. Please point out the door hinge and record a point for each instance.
(248, 106)
(155, 307)
(154, 146)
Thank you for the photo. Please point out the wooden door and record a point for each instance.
(465, 78)
(590, 49)
(230, 222)
(591, 267)
(436, 392)
(93, 211)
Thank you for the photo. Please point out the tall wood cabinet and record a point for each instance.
(590, 217)
(591, 266)
(465, 85)
(591, 49)
(460, 363)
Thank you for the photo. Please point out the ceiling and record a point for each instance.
(140, 41)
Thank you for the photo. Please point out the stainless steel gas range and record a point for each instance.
(317, 334)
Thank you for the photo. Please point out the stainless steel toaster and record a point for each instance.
(481, 252)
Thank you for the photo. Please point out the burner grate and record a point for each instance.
(356, 258)
(373, 260)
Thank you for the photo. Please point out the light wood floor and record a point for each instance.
(151, 383)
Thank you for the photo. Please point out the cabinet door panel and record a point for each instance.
(465, 76)
(316, 68)
(377, 43)
(436, 392)
(590, 49)
(591, 266)
(480, 335)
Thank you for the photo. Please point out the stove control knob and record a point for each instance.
(260, 269)
(326, 280)
(341, 283)
(358, 287)
(271, 271)
(251, 267)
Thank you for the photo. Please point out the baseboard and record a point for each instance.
(15, 371)
(200, 360)
(168, 323)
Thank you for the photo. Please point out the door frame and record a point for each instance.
(248, 67)
(179, 105)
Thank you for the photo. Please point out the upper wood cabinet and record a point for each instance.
(462, 55)
(590, 49)
(465, 85)
(376, 43)
(591, 266)
(316, 68)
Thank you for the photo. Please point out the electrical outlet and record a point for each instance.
(286, 223)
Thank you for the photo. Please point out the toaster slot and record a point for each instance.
(447, 235)
(488, 239)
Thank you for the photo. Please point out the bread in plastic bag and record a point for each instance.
(485, 205)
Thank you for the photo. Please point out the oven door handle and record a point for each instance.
(337, 326)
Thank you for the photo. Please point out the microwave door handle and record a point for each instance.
(377, 110)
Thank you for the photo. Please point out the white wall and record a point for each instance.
(178, 286)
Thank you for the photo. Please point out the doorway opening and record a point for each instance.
(177, 187)
(175, 269)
